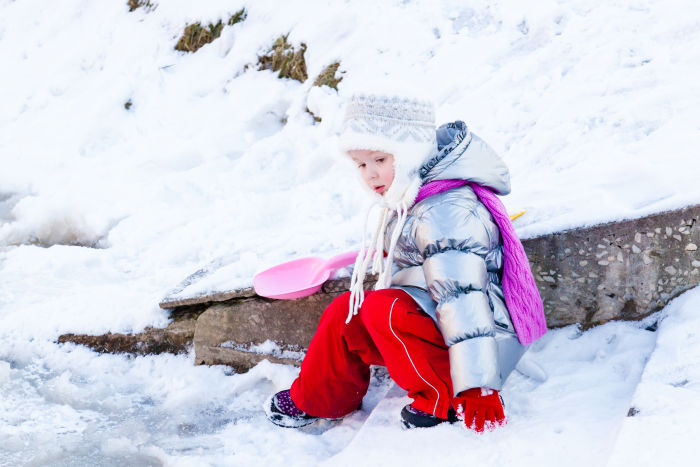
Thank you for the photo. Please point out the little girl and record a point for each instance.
(455, 303)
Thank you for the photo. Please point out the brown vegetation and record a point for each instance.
(196, 36)
(327, 76)
(238, 17)
(285, 59)
(134, 4)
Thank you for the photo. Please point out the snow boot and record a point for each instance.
(281, 410)
(414, 418)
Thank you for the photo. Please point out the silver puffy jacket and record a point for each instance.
(449, 258)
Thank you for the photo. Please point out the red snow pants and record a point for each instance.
(391, 330)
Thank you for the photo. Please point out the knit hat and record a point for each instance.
(402, 125)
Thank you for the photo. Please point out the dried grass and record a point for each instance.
(316, 118)
(237, 17)
(285, 59)
(327, 76)
(196, 36)
(134, 4)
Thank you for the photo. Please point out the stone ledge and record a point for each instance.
(176, 338)
(206, 299)
(620, 270)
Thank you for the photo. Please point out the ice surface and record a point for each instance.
(66, 403)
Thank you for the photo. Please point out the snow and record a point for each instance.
(66, 403)
(666, 403)
(574, 415)
(265, 348)
(103, 209)
(213, 277)
(4, 371)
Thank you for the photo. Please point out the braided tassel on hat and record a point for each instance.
(403, 126)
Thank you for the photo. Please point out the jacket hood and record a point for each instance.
(464, 156)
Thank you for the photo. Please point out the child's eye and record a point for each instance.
(359, 166)
(380, 160)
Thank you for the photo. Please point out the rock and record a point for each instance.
(625, 288)
(231, 333)
(189, 291)
(234, 326)
(586, 291)
(225, 331)
(176, 338)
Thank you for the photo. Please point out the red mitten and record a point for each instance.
(479, 407)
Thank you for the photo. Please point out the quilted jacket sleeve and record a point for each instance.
(454, 240)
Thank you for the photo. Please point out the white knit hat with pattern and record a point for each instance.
(403, 125)
(400, 125)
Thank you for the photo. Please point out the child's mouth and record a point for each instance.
(379, 189)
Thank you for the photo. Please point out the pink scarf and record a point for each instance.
(519, 288)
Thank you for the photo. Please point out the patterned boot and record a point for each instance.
(281, 411)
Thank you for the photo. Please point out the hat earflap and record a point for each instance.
(408, 158)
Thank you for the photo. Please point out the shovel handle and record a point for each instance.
(341, 260)
(515, 216)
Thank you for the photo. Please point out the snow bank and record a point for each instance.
(49, 222)
(574, 415)
(665, 408)
(593, 106)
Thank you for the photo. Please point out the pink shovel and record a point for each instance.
(299, 278)
(305, 276)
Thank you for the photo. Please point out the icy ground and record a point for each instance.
(69, 406)
(104, 209)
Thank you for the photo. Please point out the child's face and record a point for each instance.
(376, 168)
